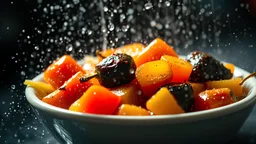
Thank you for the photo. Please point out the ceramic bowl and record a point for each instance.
(215, 126)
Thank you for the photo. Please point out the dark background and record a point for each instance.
(18, 20)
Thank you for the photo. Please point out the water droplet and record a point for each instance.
(139, 92)
(36, 47)
(130, 11)
(103, 29)
(76, 1)
(69, 48)
(89, 32)
(23, 73)
(82, 9)
(122, 17)
(111, 26)
(131, 71)
(193, 26)
(78, 44)
(125, 28)
(167, 3)
(105, 9)
(13, 87)
(153, 23)
(148, 6)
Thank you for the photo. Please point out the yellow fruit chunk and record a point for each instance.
(130, 93)
(181, 69)
(163, 102)
(230, 66)
(232, 84)
(197, 87)
(42, 88)
(152, 75)
(132, 110)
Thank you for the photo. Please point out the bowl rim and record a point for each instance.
(249, 100)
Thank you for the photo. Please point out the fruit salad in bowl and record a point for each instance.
(142, 93)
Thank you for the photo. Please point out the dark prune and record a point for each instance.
(183, 94)
(114, 70)
(206, 68)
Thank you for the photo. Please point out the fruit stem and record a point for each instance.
(251, 75)
(87, 77)
(99, 54)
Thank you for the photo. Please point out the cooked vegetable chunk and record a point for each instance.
(96, 100)
(42, 88)
(230, 66)
(181, 69)
(61, 70)
(115, 70)
(130, 93)
(206, 68)
(154, 51)
(214, 98)
(132, 110)
(68, 93)
(163, 102)
(183, 93)
(152, 75)
(198, 87)
(232, 84)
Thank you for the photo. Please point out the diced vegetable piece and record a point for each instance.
(230, 66)
(183, 94)
(154, 51)
(152, 75)
(232, 84)
(61, 70)
(130, 93)
(181, 69)
(163, 102)
(42, 88)
(97, 100)
(198, 87)
(68, 93)
(132, 110)
(206, 68)
(214, 98)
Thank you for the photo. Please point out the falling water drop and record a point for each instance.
(167, 3)
(148, 5)
(111, 26)
(13, 87)
(69, 48)
(37, 48)
(103, 25)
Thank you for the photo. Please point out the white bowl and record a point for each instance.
(215, 126)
